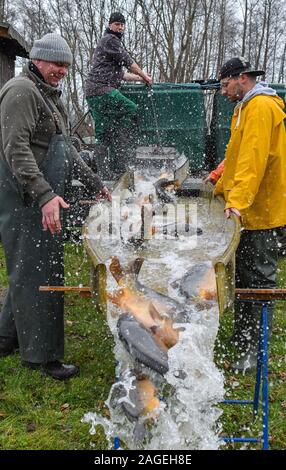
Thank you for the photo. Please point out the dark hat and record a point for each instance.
(236, 66)
(116, 17)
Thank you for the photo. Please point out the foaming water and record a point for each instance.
(191, 415)
(187, 417)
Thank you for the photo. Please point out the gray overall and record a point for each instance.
(34, 257)
(256, 267)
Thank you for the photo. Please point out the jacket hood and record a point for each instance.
(260, 88)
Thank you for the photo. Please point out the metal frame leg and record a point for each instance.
(258, 368)
(265, 409)
(116, 443)
(261, 376)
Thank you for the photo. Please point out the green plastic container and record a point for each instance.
(222, 113)
(220, 129)
(172, 115)
(280, 89)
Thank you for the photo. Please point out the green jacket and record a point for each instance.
(26, 128)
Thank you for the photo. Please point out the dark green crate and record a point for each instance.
(222, 113)
(178, 111)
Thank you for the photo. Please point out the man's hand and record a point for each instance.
(134, 68)
(208, 179)
(51, 214)
(104, 194)
(147, 79)
(231, 210)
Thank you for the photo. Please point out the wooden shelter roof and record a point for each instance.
(11, 42)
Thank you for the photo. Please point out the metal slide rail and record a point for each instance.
(224, 266)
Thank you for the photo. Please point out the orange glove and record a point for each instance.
(216, 174)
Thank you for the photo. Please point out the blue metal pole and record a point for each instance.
(116, 443)
(237, 402)
(241, 439)
(258, 368)
(265, 410)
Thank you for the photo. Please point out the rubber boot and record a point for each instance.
(282, 241)
(123, 148)
(256, 267)
(102, 157)
(247, 334)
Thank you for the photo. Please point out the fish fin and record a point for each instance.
(116, 297)
(155, 315)
(134, 267)
(116, 269)
(167, 336)
(139, 432)
(165, 332)
(159, 341)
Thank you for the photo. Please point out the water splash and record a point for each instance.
(189, 392)
(188, 415)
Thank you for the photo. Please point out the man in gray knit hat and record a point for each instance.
(37, 160)
(115, 116)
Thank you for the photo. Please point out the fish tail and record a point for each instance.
(139, 432)
(134, 267)
(131, 270)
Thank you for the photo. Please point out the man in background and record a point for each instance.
(115, 116)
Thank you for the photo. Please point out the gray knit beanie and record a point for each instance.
(51, 48)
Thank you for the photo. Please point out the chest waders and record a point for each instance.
(256, 268)
(34, 257)
(116, 127)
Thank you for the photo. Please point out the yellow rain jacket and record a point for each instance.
(254, 177)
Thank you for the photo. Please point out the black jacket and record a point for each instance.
(106, 72)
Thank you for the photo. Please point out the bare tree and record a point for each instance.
(281, 76)
(2, 9)
(245, 15)
(176, 41)
(35, 17)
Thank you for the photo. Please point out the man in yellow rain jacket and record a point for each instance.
(254, 187)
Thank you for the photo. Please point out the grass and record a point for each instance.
(237, 419)
(37, 412)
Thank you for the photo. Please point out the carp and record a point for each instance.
(165, 189)
(140, 404)
(143, 398)
(142, 345)
(156, 312)
(142, 309)
(198, 283)
(164, 304)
